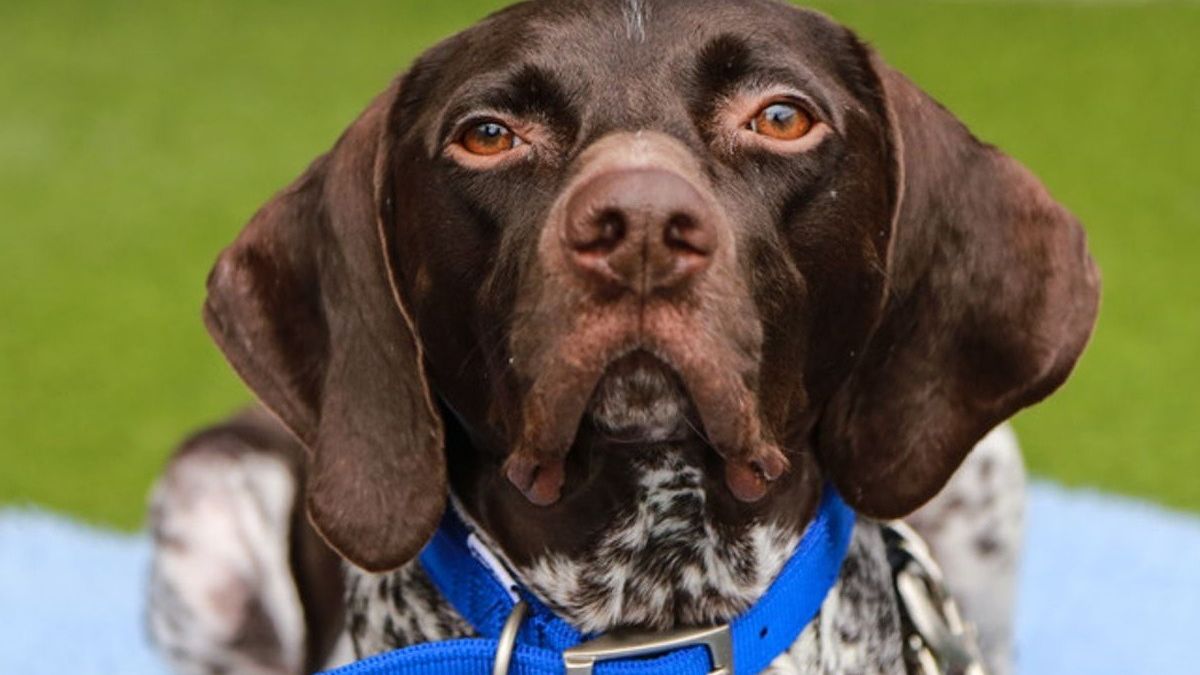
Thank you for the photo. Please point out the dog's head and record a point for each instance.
(581, 230)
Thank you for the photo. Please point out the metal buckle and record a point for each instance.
(940, 641)
(581, 659)
(508, 639)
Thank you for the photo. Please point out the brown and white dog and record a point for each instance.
(627, 281)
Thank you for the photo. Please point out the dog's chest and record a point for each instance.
(662, 564)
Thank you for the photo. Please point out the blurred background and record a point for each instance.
(137, 136)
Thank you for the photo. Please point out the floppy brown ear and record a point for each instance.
(992, 297)
(304, 307)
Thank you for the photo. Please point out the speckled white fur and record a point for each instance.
(974, 528)
(623, 579)
(220, 575)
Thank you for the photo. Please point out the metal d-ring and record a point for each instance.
(940, 640)
(508, 639)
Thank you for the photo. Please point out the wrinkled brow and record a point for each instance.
(526, 91)
(730, 64)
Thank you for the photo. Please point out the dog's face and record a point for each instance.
(596, 261)
(582, 231)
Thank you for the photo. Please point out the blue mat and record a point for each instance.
(1109, 585)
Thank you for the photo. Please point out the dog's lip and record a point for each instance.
(541, 480)
(717, 371)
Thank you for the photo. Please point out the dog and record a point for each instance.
(629, 285)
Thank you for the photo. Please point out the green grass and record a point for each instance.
(136, 137)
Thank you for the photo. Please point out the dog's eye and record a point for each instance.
(489, 138)
(782, 121)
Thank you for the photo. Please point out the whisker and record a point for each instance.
(701, 435)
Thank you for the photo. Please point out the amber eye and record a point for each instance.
(489, 138)
(782, 121)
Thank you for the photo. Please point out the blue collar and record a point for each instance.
(464, 574)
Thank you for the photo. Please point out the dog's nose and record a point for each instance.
(642, 229)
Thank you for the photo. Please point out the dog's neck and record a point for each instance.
(662, 561)
(857, 629)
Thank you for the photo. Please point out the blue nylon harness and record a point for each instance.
(467, 580)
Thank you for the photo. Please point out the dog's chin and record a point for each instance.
(641, 400)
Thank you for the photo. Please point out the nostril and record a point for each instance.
(685, 234)
(598, 233)
(610, 229)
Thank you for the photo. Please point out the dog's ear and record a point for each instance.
(992, 296)
(305, 308)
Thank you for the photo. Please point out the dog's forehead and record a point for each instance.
(627, 52)
(616, 32)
